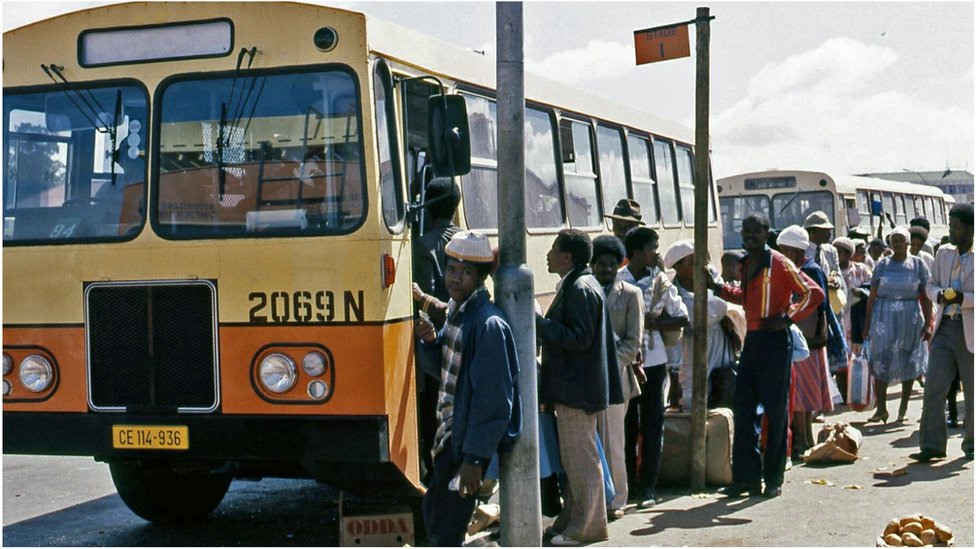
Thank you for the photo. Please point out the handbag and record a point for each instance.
(800, 349)
(814, 328)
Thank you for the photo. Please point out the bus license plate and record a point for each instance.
(150, 437)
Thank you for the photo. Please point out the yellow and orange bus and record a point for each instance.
(208, 216)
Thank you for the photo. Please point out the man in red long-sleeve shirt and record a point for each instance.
(774, 294)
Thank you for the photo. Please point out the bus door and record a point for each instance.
(426, 156)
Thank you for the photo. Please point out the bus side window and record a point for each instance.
(613, 177)
(642, 183)
(479, 187)
(664, 170)
(543, 202)
(900, 210)
(686, 183)
(853, 215)
(391, 191)
(579, 173)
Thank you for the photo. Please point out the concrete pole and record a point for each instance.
(702, 181)
(521, 520)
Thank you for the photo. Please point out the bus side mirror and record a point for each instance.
(450, 142)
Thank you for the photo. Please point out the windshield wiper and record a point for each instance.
(92, 115)
(114, 133)
(788, 202)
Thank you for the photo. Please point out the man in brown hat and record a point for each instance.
(626, 215)
(819, 227)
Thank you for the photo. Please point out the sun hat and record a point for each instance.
(627, 210)
(793, 236)
(678, 251)
(845, 243)
(817, 220)
(470, 247)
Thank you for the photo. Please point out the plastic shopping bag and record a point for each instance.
(860, 382)
(800, 349)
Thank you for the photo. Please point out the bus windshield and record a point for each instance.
(793, 208)
(260, 154)
(734, 210)
(76, 165)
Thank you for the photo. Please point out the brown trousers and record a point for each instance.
(584, 516)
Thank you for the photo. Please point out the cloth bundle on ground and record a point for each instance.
(836, 442)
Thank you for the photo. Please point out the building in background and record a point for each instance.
(957, 183)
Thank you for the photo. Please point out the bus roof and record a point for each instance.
(440, 58)
(437, 57)
(844, 184)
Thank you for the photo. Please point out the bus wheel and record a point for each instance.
(164, 493)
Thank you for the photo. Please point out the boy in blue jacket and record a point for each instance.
(478, 407)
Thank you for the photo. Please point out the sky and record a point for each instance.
(847, 87)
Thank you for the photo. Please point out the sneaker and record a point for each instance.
(614, 514)
(772, 491)
(647, 502)
(926, 455)
(561, 540)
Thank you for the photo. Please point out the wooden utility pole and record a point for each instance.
(699, 393)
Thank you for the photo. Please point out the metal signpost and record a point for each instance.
(514, 292)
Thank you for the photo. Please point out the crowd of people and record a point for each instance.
(616, 352)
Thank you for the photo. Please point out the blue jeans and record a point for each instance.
(446, 513)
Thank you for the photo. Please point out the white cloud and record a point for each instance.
(829, 109)
(598, 59)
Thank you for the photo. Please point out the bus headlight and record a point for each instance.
(278, 373)
(318, 389)
(8, 364)
(6, 387)
(36, 373)
(314, 364)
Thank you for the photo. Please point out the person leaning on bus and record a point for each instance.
(478, 405)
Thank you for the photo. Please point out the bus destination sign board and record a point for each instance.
(661, 43)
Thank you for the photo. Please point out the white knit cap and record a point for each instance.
(678, 251)
(902, 231)
(470, 246)
(794, 236)
(845, 243)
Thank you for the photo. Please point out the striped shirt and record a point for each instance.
(769, 293)
(451, 346)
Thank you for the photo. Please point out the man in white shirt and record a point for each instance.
(951, 288)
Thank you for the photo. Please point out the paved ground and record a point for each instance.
(828, 506)
(70, 501)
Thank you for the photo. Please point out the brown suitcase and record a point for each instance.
(676, 457)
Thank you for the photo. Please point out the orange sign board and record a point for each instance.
(661, 44)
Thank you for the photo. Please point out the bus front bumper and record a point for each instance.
(247, 440)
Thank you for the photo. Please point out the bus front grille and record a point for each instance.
(152, 346)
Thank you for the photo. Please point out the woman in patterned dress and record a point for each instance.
(897, 320)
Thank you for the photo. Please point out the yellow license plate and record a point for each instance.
(150, 437)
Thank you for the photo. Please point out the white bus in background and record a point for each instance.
(788, 197)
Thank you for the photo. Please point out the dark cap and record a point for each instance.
(627, 210)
